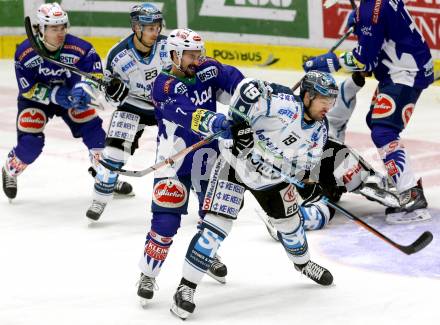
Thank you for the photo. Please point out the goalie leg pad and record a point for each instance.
(204, 246)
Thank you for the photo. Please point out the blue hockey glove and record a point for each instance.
(351, 21)
(80, 96)
(218, 123)
(60, 95)
(328, 62)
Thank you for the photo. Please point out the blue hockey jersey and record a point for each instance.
(36, 77)
(390, 44)
(176, 99)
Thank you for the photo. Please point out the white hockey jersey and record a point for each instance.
(282, 138)
(138, 73)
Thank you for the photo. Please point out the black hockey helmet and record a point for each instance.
(318, 82)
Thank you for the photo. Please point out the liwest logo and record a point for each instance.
(251, 9)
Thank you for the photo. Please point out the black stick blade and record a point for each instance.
(424, 240)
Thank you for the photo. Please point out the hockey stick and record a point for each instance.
(167, 162)
(332, 49)
(41, 51)
(420, 243)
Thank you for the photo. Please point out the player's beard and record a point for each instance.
(190, 71)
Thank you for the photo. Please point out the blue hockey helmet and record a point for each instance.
(145, 14)
(318, 82)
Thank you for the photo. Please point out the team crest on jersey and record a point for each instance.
(383, 106)
(170, 193)
(31, 120)
(207, 74)
(407, 113)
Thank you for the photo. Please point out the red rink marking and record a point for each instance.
(424, 156)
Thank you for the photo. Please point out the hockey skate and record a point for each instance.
(122, 189)
(183, 305)
(218, 270)
(95, 210)
(146, 288)
(315, 272)
(376, 188)
(413, 207)
(9, 184)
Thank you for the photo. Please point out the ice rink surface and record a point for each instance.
(55, 268)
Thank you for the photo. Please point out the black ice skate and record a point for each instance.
(183, 305)
(9, 184)
(146, 288)
(121, 188)
(95, 210)
(413, 207)
(315, 272)
(218, 270)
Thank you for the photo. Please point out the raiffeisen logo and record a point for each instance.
(275, 10)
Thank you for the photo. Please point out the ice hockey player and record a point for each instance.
(341, 169)
(274, 134)
(132, 64)
(393, 49)
(185, 98)
(46, 90)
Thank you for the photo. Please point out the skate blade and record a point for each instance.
(118, 196)
(181, 313)
(144, 302)
(419, 215)
(221, 279)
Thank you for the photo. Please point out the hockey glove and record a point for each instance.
(218, 123)
(311, 192)
(80, 94)
(328, 62)
(116, 90)
(243, 139)
(351, 21)
(60, 95)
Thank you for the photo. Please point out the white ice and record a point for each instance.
(57, 269)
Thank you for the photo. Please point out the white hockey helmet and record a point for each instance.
(184, 39)
(51, 14)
